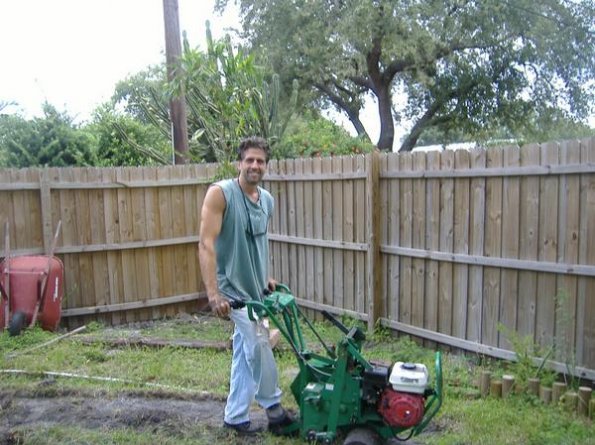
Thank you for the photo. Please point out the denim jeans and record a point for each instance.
(253, 369)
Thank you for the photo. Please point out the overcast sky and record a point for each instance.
(72, 52)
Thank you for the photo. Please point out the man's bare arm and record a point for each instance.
(211, 219)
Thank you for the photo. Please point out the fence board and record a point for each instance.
(308, 231)
(82, 216)
(165, 230)
(477, 232)
(390, 234)
(361, 223)
(585, 343)
(112, 235)
(151, 197)
(72, 278)
(418, 241)
(432, 242)
(462, 206)
(181, 251)
(141, 277)
(19, 232)
(510, 245)
(274, 226)
(327, 232)
(338, 215)
(492, 248)
(548, 233)
(34, 221)
(318, 211)
(125, 199)
(529, 222)
(97, 226)
(568, 248)
(444, 283)
(300, 230)
(406, 240)
(5, 203)
(348, 270)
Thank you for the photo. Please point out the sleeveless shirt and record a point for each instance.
(242, 245)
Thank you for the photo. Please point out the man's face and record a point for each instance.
(253, 166)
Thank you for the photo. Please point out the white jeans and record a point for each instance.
(253, 369)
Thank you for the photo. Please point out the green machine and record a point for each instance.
(339, 392)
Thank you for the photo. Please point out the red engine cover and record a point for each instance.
(401, 409)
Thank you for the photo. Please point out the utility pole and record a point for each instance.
(177, 105)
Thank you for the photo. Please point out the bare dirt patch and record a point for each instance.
(140, 411)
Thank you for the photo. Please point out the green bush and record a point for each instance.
(315, 136)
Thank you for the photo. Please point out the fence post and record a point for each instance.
(373, 235)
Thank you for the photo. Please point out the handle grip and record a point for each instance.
(237, 304)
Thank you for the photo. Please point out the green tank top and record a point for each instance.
(242, 245)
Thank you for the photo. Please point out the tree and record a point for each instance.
(311, 135)
(123, 140)
(228, 96)
(52, 140)
(469, 65)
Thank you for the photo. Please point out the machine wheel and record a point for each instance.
(17, 323)
(362, 436)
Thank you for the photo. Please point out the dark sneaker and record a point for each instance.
(244, 428)
(278, 418)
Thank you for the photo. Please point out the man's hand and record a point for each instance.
(272, 284)
(220, 306)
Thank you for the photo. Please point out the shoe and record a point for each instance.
(279, 419)
(244, 428)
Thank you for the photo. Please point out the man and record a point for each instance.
(233, 255)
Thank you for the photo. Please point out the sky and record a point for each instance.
(73, 52)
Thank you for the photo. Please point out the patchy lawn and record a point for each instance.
(165, 382)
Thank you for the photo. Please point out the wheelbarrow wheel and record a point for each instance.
(17, 323)
(362, 436)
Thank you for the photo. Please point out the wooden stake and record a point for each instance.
(507, 385)
(592, 409)
(584, 397)
(496, 389)
(570, 400)
(558, 389)
(484, 383)
(545, 394)
(533, 386)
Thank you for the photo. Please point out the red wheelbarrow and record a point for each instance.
(31, 289)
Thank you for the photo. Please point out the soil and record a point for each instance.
(141, 411)
(144, 412)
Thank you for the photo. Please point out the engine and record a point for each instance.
(402, 401)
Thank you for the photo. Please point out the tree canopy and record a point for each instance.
(446, 65)
(52, 140)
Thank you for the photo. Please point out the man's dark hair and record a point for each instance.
(253, 142)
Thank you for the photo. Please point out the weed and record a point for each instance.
(526, 351)
(563, 339)
(381, 333)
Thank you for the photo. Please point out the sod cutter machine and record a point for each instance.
(339, 392)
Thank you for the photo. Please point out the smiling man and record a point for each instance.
(233, 254)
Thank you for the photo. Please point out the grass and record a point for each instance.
(463, 419)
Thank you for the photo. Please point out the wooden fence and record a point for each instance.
(463, 248)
